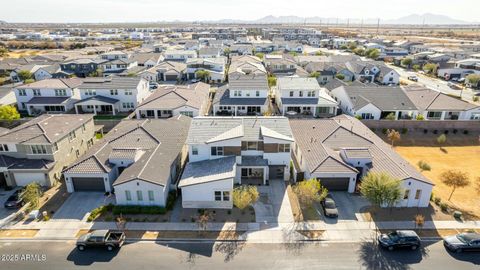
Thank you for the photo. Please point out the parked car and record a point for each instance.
(101, 238)
(399, 239)
(413, 78)
(14, 201)
(329, 208)
(462, 242)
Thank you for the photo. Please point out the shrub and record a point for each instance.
(96, 213)
(437, 200)
(384, 130)
(455, 131)
(444, 207)
(404, 130)
(135, 210)
(420, 117)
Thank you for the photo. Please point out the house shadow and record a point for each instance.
(471, 257)
(372, 256)
(91, 255)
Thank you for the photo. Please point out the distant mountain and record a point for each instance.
(428, 18)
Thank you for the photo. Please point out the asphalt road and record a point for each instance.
(151, 255)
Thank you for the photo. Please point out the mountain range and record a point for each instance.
(413, 19)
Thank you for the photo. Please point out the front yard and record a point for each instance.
(463, 158)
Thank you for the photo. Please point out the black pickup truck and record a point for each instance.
(101, 238)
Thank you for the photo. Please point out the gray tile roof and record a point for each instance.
(208, 171)
(25, 164)
(295, 83)
(299, 101)
(222, 97)
(383, 97)
(99, 98)
(172, 97)
(321, 140)
(48, 100)
(428, 99)
(254, 161)
(111, 82)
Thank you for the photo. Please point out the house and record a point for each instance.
(214, 66)
(388, 76)
(374, 102)
(147, 60)
(370, 71)
(171, 71)
(32, 68)
(283, 65)
(210, 52)
(39, 149)
(192, 45)
(179, 55)
(339, 151)
(7, 94)
(140, 159)
(167, 101)
(434, 105)
(241, 49)
(111, 95)
(49, 72)
(117, 65)
(303, 96)
(115, 55)
(82, 67)
(48, 96)
(228, 151)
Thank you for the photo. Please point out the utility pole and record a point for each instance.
(378, 26)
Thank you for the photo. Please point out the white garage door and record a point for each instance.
(23, 179)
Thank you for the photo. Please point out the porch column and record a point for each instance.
(76, 109)
(265, 175)
(95, 109)
(113, 109)
(442, 117)
(235, 110)
(137, 114)
(283, 110)
(155, 113)
(396, 115)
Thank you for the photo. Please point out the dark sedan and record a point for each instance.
(329, 208)
(463, 242)
(400, 239)
(14, 201)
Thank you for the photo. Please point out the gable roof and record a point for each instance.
(428, 99)
(383, 97)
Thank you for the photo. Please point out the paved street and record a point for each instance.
(150, 255)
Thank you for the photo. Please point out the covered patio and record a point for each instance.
(38, 105)
(253, 170)
(97, 105)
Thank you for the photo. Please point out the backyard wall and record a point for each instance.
(473, 126)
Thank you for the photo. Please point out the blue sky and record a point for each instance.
(188, 10)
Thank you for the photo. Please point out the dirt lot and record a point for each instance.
(464, 158)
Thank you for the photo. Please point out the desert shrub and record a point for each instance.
(134, 210)
(404, 130)
(96, 213)
(437, 200)
(444, 207)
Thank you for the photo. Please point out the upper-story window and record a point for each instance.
(36, 92)
(194, 150)
(291, 93)
(91, 92)
(311, 93)
(22, 92)
(217, 151)
(3, 148)
(252, 146)
(237, 93)
(39, 149)
(284, 148)
(257, 93)
(114, 92)
(128, 92)
(300, 94)
(72, 136)
(60, 92)
(54, 147)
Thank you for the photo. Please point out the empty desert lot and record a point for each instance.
(464, 158)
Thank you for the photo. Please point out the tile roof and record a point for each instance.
(222, 97)
(428, 99)
(384, 98)
(111, 82)
(208, 171)
(53, 83)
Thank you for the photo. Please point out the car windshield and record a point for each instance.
(393, 236)
(462, 238)
(329, 204)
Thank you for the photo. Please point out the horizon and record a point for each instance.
(150, 11)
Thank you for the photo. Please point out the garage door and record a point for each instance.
(276, 172)
(171, 77)
(88, 184)
(23, 179)
(335, 184)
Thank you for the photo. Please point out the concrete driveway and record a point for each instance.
(274, 204)
(79, 205)
(349, 206)
(3, 197)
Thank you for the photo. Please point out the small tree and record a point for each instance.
(424, 166)
(314, 74)
(24, 75)
(420, 117)
(359, 51)
(372, 53)
(381, 189)
(455, 179)
(473, 79)
(393, 136)
(352, 46)
(244, 196)
(406, 62)
(202, 75)
(318, 53)
(31, 195)
(3, 51)
(309, 191)
(441, 140)
(9, 113)
(260, 55)
(226, 51)
(390, 116)
(416, 67)
(430, 68)
(340, 76)
(203, 218)
(272, 80)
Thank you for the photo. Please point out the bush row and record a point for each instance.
(135, 209)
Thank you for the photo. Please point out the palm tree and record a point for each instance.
(393, 135)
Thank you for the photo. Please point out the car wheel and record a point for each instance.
(390, 248)
(109, 248)
(458, 250)
(81, 248)
(414, 247)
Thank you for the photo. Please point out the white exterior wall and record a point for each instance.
(369, 108)
(44, 92)
(392, 74)
(203, 195)
(250, 94)
(41, 75)
(414, 185)
(160, 193)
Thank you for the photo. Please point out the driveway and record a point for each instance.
(78, 206)
(3, 197)
(349, 205)
(273, 205)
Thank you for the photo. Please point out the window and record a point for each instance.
(3, 148)
(291, 93)
(72, 136)
(60, 92)
(418, 193)
(39, 149)
(128, 92)
(311, 93)
(36, 92)
(257, 93)
(218, 196)
(91, 92)
(77, 153)
(217, 151)
(407, 193)
(139, 195)
(300, 94)
(186, 113)
(284, 148)
(128, 195)
(252, 145)
(22, 92)
(128, 105)
(434, 114)
(226, 195)
(194, 150)
(114, 92)
(150, 196)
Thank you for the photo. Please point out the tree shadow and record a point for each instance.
(91, 255)
(293, 242)
(373, 256)
(229, 248)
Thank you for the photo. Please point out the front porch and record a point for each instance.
(97, 105)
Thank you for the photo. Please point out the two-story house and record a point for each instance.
(214, 66)
(38, 150)
(82, 67)
(140, 159)
(111, 95)
(303, 96)
(179, 55)
(224, 152)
